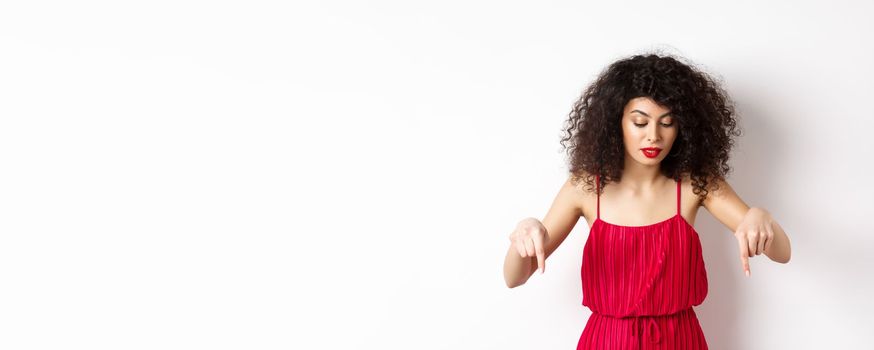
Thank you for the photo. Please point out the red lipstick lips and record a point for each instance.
(651, 152)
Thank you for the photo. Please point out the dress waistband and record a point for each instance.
(648, 322)
(646, 330)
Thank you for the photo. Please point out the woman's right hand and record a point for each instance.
(529, 238)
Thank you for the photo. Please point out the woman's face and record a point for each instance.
(645, 125)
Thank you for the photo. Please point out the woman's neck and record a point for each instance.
(637, 176)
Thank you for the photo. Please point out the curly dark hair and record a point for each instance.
(702, 108)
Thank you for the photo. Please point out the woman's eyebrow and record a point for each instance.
(648, 114)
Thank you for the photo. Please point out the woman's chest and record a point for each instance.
(637, 212)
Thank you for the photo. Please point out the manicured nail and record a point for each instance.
(748, 273)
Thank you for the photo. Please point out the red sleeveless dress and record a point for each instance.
(640, 282)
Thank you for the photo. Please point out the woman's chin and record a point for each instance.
(649, 161)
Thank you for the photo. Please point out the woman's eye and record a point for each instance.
(644, 124)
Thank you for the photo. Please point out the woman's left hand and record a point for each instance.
(754, 235)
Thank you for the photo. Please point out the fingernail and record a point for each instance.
(748, 273)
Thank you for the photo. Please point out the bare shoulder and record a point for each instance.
(583, 197)
(688, 193)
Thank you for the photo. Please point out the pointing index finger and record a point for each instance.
(744, 253)
(541, 255)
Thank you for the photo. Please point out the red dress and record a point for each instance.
(640, 282)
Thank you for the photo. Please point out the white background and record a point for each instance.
(344, 175)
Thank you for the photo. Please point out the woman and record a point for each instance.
(650, 140)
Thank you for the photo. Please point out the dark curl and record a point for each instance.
(701, 108)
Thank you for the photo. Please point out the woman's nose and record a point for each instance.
(652, 134)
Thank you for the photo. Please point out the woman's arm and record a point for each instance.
(748, 224)
(561, 218)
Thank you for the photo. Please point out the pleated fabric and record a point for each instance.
(640, 282)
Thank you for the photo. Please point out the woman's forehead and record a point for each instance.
(645, 107)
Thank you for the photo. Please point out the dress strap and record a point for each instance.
(598, 191)
(678, 196)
